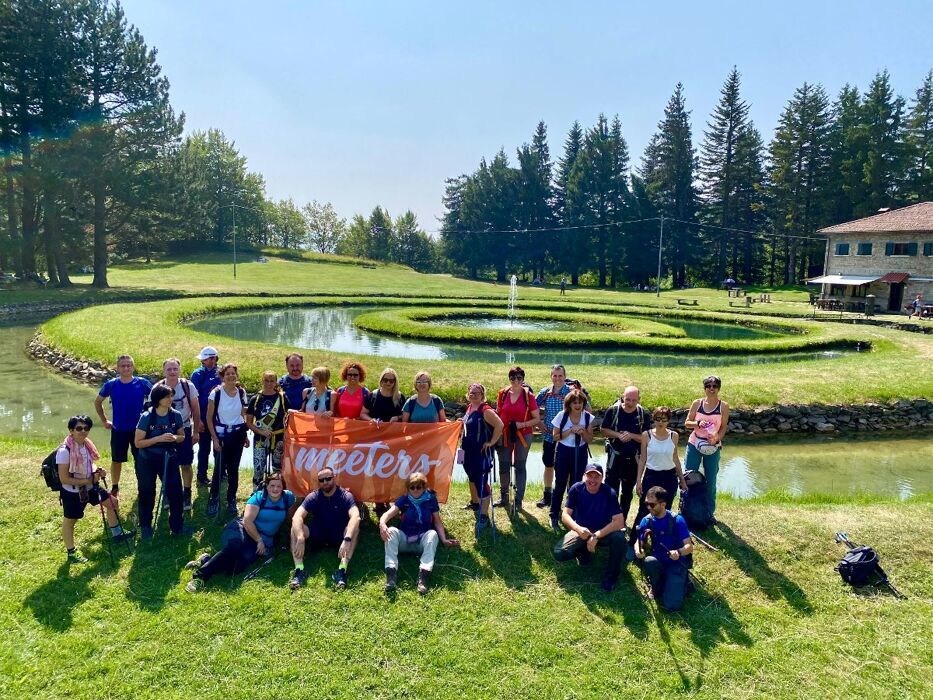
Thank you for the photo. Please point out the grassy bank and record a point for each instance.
(770, 618)
(151, 332)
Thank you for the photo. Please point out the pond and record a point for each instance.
(36, 403)
(331, 328)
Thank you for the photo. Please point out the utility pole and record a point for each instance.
(660, 244)
(233, 207)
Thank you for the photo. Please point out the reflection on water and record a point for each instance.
(327, 328)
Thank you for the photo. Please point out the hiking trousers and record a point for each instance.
(568, 470)
(425, 545)
(514, 456)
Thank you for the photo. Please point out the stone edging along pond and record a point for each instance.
(782, 419)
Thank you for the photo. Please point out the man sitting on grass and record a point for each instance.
(671, 550)
(335, 522)
(593, 518)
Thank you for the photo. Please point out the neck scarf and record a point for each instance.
(76, 465)
(416, 502)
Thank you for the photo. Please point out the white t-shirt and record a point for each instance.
(571, 440)
(180, 400)
(64, 457)
(229, 409)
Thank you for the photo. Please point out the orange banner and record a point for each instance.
(370, 460)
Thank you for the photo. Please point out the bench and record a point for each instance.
(736, 292)
(766, 298)
(745, 303)
(688, 302)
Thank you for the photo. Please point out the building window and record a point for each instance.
(900, 248)
(928, 249)
(864, 249)
(842, 249)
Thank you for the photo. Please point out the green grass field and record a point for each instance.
(770, 618)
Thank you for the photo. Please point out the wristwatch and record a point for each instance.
(347, 539)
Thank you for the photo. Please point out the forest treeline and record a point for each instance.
(96, 168)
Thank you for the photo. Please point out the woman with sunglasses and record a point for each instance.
(572, 430)
(423, 406)
(709, 420)
(658, 463)
(518, 410)
(482, 428)
(348, 400)
(159, 431)
(419, 531)
(385, 404)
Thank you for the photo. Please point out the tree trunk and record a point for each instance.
(28, 246)
(55, 254)
(9, 256)
(100, 233)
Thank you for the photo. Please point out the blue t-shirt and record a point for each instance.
(661, 542)
(330, 513)
(423, 414)
(272, 514)
(592, 510)
(293, 389)
(204, 380)
(410, 524)
(154, 425)
(127, 400)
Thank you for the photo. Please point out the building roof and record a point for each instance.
(916, 217)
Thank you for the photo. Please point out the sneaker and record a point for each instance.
(232, 509)
(194, 585)
(187, 501)
(501, 503)
(339, 578)
(184, 532)
(125, 535)
(545, 501)
(471, 506)
(424, 577)
(391, 579)
(145, 533)
(298, 579)
(76, 557)
(212, 507)
(199, 562)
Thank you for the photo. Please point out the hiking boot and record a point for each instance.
(186, 507)
(75, 557)
(124, 535)
(555, 526)
(339, 578)
(483, 521)
(199, 562)
(194, 585)
(545, 501)
(232, 509)
(391, 579)
(471, 506)
(145, 533)
(212, 507)
(502, 503)
(424, 577)
(298, 579)
(517, 507)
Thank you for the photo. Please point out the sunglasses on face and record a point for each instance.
(82, 429)
(325, 479)
(516, 376)
(387, 381)
(422, 382)
(353, 374)
(651, 504)
(416, 487)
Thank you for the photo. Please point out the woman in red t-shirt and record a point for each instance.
(518, 410)
(347, 401)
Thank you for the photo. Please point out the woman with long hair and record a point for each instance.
(265, 416)
(709, 420)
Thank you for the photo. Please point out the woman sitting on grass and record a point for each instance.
(419, 531)
(348, 400)
(244, 540)
(423, 407)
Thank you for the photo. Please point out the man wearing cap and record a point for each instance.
(204, 379)
(593, 519)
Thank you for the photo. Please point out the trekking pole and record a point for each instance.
(158, 514)
(843, 538)
(270, 557)
(704, 542)
(491, 456)
(108, 534)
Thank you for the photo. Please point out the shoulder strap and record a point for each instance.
(586, 419)
(438, 404)
(563, 421)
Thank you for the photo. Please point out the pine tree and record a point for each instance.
(847, 157)
(918, 140)
(719, 169)
(882, 114)
(536, 198)
(565, 240)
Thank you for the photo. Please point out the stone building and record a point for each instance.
(888, 255)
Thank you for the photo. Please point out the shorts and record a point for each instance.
(184, 452)
(121, 444)
(547, 454)
(73, 506)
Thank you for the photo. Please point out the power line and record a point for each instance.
(556, 228)
(745, 231)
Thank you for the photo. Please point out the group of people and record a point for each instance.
(160, 424)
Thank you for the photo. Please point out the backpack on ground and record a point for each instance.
(694, 502)
(858, 566)
(49, 471)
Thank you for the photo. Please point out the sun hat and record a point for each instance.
(206, 352)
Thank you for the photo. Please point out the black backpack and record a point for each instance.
(49, 471)
(694, 502)
(858, 566)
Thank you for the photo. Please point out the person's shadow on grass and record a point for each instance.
(157, 565)
(53, 602)
(773, 583)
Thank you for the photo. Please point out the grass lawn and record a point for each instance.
(770, 619)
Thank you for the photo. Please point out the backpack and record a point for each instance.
(340, 392)
(586, 424)
(858, 566)
(327, 393)
(640, 411)
(435, 401)
(694, 502)
(215, 396)
(49, 471)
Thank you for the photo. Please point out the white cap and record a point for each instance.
(207, 352)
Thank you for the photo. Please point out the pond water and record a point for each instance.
(37, 403)
(331, 328)
(693, 329)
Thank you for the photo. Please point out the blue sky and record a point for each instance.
(371, 103)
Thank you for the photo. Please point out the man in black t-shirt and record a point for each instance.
(623, 423)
